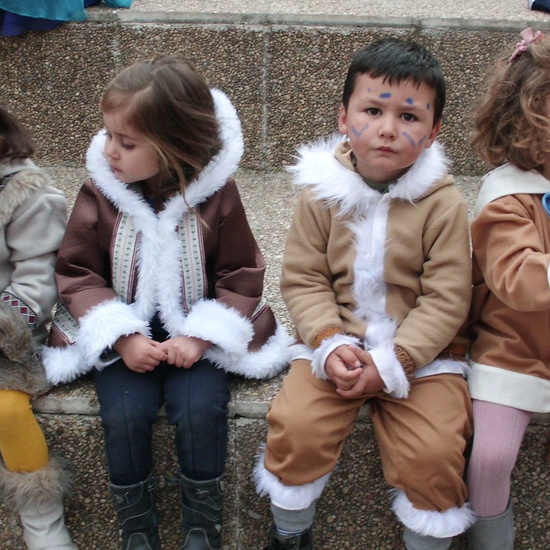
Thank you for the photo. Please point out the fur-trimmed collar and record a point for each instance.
(27, 179)
(212, 178)
(334, 183)
(508, 179)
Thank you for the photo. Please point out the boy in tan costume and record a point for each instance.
(377, 280)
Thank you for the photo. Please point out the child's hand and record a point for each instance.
(184, 351)
(368, 382)
(139, 353)
(343, 366)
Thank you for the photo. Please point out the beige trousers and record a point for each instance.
(422, 438)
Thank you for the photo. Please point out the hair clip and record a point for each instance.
(528, 37)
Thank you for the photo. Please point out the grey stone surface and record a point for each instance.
(282, 63)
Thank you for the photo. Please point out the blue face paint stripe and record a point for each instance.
(356, 132)
(411, 140)
(410, 100)
(385, 95)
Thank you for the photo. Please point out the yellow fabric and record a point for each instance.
(22, 444)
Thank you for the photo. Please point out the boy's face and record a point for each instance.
(388, 126)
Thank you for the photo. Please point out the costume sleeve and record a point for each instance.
(442, 307)
(82, 269)
(306, 283)
(33, 236)
(511, 254)
(237, 266)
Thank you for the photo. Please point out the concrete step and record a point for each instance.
(282, 62)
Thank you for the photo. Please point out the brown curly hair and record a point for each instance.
(512, 123)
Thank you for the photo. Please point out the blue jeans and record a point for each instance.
(196, 404)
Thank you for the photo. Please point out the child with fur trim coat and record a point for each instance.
(32, 222)
(376, 277)
(161, 283)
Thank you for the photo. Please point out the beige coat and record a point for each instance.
(511, 306)
(389, 270)
(32, 222)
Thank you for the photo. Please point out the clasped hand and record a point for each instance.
(142, 354)
(353, 372)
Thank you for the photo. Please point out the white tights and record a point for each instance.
(498, 432)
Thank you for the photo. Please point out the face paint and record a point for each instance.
(356, 132)
(411, 140)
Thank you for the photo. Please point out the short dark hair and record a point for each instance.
(398, 60)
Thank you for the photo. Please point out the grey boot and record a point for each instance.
(201, 513)
(38, 497)
(137, 516)
(495, 533)
(296, 542)
(415, 541)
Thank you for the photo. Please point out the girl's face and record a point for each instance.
(130, 155)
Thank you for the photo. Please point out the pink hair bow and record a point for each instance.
(528, 36)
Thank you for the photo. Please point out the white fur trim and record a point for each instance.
(390, 370)
(446, 524)
(231, 334)
(103, 325)
(64, 364)
(223, 326)
(98, 330)
(287, 497)
(264, 363)
(318, 167)
(328, 345)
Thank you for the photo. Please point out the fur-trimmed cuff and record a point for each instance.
(287, 497)
(390, 370)
(104, 324)
(99, 329)
(446, 524)
(266, 362)
(225, 327)
(326, 348)
(22, 489)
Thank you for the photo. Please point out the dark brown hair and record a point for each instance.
(512, 121)
(15, 139)
(168, 102)
(397, 60)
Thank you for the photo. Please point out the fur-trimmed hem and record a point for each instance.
(287, 497)
(64, 364)
(20, 366)
(446, 524)
(22, 489)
